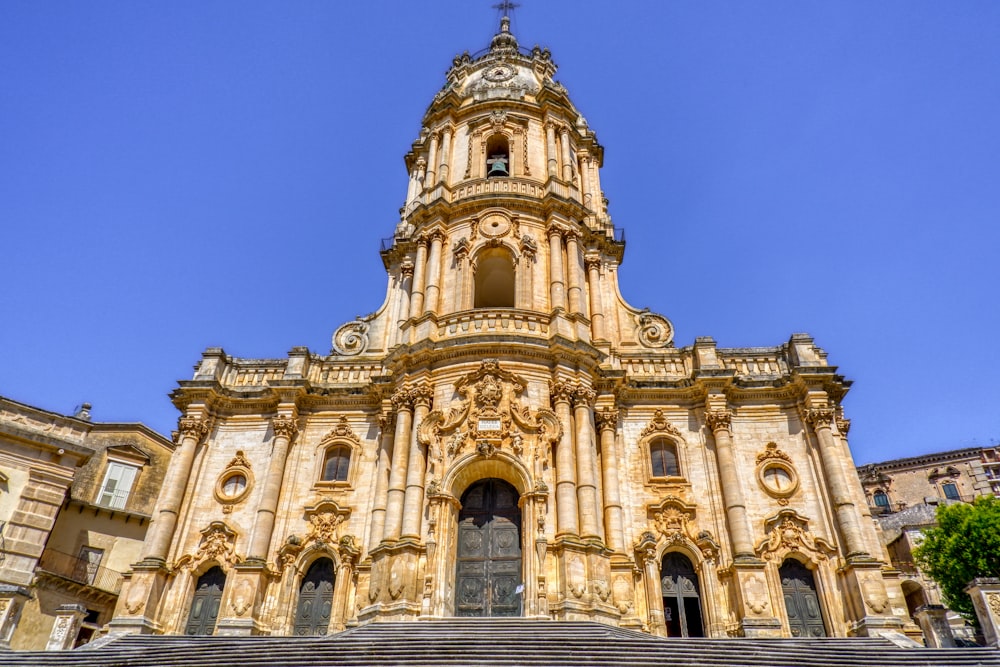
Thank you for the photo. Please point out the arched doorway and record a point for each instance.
(681, 597)
(488, 567)
(914, 595)
(312, 615)
(798, 586)
(206, 602)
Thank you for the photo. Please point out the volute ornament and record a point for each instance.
(654, 331)
(218, 543)
(351, 339)
(325, 520)
(787, 531)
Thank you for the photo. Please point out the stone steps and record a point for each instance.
(506, 642)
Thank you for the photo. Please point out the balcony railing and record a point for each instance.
(81, 571)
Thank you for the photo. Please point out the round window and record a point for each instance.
(234, 485)
(778, 479)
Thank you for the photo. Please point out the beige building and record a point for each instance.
(507, 436)
(75, 498)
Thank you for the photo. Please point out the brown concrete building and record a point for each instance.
(506, 436)
(74, 503)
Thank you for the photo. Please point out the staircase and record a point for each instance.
(494, 641)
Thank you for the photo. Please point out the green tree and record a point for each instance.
(964, 544)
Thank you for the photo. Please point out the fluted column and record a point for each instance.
(413, 504)
(405, 287)
(413, 187)
(574, 260)
(586, 463)
(567, 517)
(567, 164)
(550, 149)
(284, 430)
(430, 181)
(433, 290)
(419, 273)
(597, 326)
(584, 167)
(461, 300)
(840, 492)
(385, 422)
(719, 422)
(557, 288)
(445, 155)
(402, 400)
(161, 532)
(614, 522)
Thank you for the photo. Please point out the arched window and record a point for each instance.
(336, 463)
(881, 499)
(494, 279)
(497, 156)
(663, 456)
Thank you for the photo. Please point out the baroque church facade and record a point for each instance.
(507, 436)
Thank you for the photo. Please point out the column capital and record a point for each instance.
(571, 235)
(193, 427)
(437, 235)
(422, 395)
(406, 268)
(820, 417)
(592, 262)
(423, 241)
(386, 421)
(719, 420)
(561, 392)
(284, 426)
(402, 399)
(584, 397)
(607, 419)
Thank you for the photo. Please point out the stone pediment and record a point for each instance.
(129, 453)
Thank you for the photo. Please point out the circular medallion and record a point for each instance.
(500, 72)
(494, 226)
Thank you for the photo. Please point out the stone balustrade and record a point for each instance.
(500, 321)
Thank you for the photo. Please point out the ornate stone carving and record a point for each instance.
(134, 601)
(756, 594)
(654, 331)
(874, 593)
(659, 425)
(191, 427)
(284, 426)
(561, 392)
(342, 431)
(993, 599)
(718, 420)
(218, 543)
(607, 419)
(386, 421)
(239, 461)
(584, 396)
(325, 520)
(528, 247)
(820, 417)
(242, 598)
(786, 532)
(771, 452)
(406, 268)
(351, 339)
(402, 399)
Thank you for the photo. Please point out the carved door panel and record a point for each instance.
(488, 570)
(681, 597)
(206, 602)
(312, 615)
(805, 617)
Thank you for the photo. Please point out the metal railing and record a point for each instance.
(81, 571)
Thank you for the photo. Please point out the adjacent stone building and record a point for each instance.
(507, 436)
(74, 507)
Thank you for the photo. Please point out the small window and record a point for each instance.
(880, 498)
(663, 455)
(117, 485)
(337, 461)
(950, 491)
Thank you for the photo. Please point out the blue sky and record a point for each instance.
(181, 175)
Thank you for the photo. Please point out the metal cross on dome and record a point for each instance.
(506, 7)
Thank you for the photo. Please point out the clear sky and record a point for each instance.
(178, 175)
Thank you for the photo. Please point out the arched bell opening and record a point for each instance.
(802, 605)
(315, 604)
(497, 156)
(494, 279)
(488, 563)
(681, 596)
(205, 603)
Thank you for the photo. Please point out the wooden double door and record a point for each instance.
(488, 567)
(312, 614)
(681, 597)
(798, 587)
(206, 602)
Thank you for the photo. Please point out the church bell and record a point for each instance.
(498, 166)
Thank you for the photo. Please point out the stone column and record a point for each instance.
(550, 148)
(419, 273)
(445, 154)
(430, 181)
(567, 165)
(985, 594)
(385, 422)
(574, 260)
(461, 292)
(646, 555)
(933, 621)
(557, 288)
(597, 327)
(566, 504)
(821, 419)
(402, 400)
(586, 464)
(284, 430)
(584, 167)
(719, 422)
(161, 532)
(405, 287)
(607, 424)
(69, 618)
(434, 272)
(413, 504)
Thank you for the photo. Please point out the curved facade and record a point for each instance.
(507, 436)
